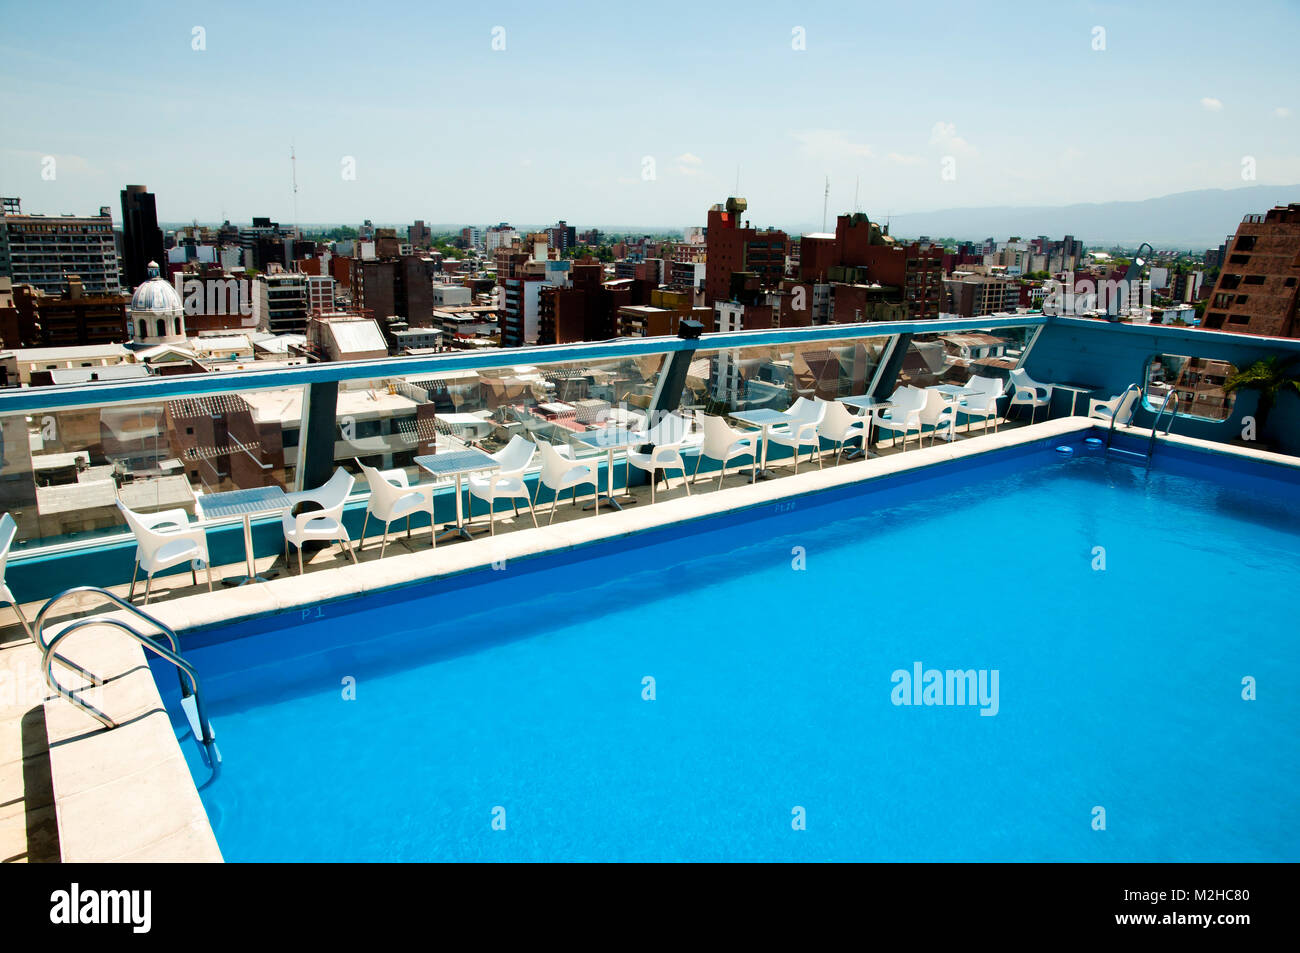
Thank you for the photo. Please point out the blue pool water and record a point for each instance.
(522, 689)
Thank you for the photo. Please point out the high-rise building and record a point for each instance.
(394, 286)
(44, 250)
(916, 269)
(500, 236)
(419, 235)
(282, 303)
(562, 236)
(974, 295)
(735, 248)
(73, 318)
(1258, 290)
(142, 240)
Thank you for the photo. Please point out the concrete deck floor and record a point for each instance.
(28, 829)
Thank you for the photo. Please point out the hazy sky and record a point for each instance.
(566, 119)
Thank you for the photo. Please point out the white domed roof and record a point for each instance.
(156, 296)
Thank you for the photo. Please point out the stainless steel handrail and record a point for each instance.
(1114, 418)
(1155, 424)
(49, 656)
(117, 600)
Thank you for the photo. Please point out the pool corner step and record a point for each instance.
(192, 716)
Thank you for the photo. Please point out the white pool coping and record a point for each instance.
(124, 794)
(127, 794)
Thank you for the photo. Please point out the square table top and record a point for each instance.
(865, 402)
(610, 438)
(456, 461)
(258, 499)
(762, 416)
(954, 390)
(1078, 388)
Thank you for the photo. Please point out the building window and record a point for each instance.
(1254, 279)
(162, 327)
(1196, 382)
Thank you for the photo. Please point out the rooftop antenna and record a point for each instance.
(857, 206)
(293, 165)
(826, 198)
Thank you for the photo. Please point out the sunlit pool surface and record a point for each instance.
(516, 698)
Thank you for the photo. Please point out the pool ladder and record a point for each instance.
(191, 699)
(1170, 397)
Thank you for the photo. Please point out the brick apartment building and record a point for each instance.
(871, 276)
(582, 311)
(733, 247)
(915, 269)
(394, 286)
(1258, 290)
(30, 317)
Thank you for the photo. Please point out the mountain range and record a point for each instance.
(1190, 220)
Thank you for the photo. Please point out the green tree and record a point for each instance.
(1269, 377)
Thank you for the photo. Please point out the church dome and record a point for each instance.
(156, 314)
(156, 296)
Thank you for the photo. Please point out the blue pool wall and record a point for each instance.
(1114, 355)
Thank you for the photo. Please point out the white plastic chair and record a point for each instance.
(839, 425)
(983, 403)
(8, 532)
(324, 524)
(938, 414)
(666, 439)
(802, 431)
(725, 443)
(1028, 392)
(393, 498)
(507, 483)
(1120, 407)
(560, 473)
(158, 548)
(903, 415)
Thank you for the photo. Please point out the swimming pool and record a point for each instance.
(507, 714)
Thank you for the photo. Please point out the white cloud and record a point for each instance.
(832, 144)
(1212, 104)
(688, 163)
(944, 135)
(1282, 112)
(903, 159)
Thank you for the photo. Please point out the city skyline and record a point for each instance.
(579, 118)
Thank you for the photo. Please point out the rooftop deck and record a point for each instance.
(71, 544)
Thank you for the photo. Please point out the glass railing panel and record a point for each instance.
(62, 472)
(727, 380)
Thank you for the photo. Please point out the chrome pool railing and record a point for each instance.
(191, 698)
(1171, 396)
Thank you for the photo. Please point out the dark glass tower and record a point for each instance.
(142, 240)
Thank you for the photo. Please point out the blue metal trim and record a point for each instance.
(26, 400)
(1178, 333)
